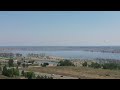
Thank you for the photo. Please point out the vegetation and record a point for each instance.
(84, 64)
(10, 72)
(29, 75)
(105, 65)
(24, 65)
(10, 63)
(22, 72)
(4, 72)
(95, 65)
(16, 72)
(81, 72)
(44, 64)
(111, 66)
(44, 77)
(65, 63)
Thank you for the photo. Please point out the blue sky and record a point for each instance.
(59, 28)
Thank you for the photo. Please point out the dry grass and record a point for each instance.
(5, 77)
(81, 72)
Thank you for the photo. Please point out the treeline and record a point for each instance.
(103, 66)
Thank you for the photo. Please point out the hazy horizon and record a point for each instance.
(59, 28)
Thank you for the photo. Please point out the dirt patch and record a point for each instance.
(79, 72)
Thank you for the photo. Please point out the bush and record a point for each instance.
(44, 64)
(10, 72)
(15, 72)
(105, 65)
(4, 72)
(22, 72)
(30, 75)
(43, 77)
(111, 66)
(65, 63)
(95, 65)
(84, 64)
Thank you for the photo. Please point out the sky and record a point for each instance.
(59, 28)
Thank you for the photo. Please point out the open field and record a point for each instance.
(79, 72)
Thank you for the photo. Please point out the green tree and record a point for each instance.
(22, 72)
(95, 65)
(30, 75)
(16, 72)
(10, 63)
(4, 72)
(111, 66)
(84, 64)
(10, 72)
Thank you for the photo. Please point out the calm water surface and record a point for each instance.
(66, 52)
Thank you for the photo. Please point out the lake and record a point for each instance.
(76, 52)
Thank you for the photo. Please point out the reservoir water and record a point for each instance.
(73, 52)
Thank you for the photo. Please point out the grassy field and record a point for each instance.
(79, 72)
